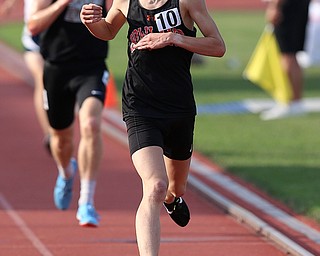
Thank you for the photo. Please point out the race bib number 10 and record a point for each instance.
(167, 19)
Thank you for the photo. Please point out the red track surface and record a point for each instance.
(212, 4)
(30, 224)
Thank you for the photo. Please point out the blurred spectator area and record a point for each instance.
(17, 11)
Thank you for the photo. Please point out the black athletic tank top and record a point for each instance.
(68, 40)
(158, 82)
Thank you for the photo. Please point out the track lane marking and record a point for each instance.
(254, 200)
(114, 126)
(19, 222)
(250, 219)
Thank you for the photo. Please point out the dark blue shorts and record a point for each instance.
(173, 135)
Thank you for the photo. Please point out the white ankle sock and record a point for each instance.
(87, 191)
(68, 172)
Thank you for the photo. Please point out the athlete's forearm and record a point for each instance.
(41, 19)
(209, 46)
(100, 30)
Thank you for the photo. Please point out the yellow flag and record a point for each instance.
(264, 68)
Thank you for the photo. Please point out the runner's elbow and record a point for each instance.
(33, 28)
(218, 50)
(221, 51)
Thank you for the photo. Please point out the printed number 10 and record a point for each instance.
(168, 19)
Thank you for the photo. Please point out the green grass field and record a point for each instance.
(280, 157)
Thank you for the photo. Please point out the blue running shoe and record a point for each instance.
(63, 190)
(87, 216)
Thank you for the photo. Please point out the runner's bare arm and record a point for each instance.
(44, 13)
(193, 11)
(273, 12)
(104, 28)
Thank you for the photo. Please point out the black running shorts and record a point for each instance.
(68, 84)
(173, 135)
(290, 32)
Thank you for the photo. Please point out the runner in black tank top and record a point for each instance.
(158, 102)
(75, 77)
(158, 83)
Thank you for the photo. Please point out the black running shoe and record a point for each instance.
(178, 211)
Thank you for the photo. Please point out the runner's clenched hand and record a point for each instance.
(90, 13)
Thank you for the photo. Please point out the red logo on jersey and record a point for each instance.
(150, 17)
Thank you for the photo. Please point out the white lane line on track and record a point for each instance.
(198, 239)
(107, 128)
(250, 219)
(19, 222)
(254, 199)
(206, 171)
